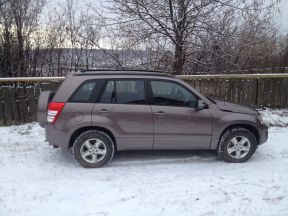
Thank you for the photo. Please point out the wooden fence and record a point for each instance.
(18, 96)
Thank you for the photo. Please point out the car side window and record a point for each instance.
(172, 94)
(124, 92)
(109, 94)
(83, 93)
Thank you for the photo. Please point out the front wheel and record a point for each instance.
(93, 149)
(237, 145)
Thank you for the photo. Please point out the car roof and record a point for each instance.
(122, 72)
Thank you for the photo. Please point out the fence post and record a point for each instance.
(1, 109)
(7, 107)
(257, 93)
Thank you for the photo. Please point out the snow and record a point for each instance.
(36, 179)
(276, 117)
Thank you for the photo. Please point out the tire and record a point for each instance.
(93, 149)
(237, 145)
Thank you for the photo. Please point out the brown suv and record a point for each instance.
(98, 112)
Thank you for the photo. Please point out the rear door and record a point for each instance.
(124, 109)
(177, 122)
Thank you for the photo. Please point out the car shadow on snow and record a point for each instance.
(137, 158)
(163, 157)
(127, 158)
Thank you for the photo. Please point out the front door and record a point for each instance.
(123, 108)
(178, 124)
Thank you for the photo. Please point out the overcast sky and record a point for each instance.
(284, 15)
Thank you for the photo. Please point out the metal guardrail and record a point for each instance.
(209, 76)
(235, 76)
(30, 79)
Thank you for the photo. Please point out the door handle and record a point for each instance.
(160, 113)
(104, 110)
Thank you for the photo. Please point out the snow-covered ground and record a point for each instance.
(36, 179)
(275, 118)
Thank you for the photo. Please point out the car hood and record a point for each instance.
(231, 107)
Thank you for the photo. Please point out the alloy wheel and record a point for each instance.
(238, 147)
(93, 150)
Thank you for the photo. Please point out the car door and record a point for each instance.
(178, 124)
(123, 108)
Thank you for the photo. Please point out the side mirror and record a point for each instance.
(201, 105)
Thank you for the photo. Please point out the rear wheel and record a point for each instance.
(93, 149)
(237, 145)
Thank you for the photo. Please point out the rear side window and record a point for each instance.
(87, 92)
(124, 92)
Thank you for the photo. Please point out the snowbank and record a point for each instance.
(275, 118)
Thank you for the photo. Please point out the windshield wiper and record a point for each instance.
(210, 99)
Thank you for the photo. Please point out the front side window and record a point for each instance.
(124, 92)
(172, 94)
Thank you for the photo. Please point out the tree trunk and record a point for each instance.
(7, 52)
(21, 68)
(178, 59)
(59, 53)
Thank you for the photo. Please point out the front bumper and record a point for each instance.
(56, 137)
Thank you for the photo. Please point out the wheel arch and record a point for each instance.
(77, 132)
(249, 127)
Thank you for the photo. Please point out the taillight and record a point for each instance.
(54, 110)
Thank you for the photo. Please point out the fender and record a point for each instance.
(231, 119)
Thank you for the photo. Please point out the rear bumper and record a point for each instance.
(56, 137)
(263, 134)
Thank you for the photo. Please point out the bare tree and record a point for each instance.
(25, 16)
(7, 40)
(183, 22)
(182, 36)
(21, 19)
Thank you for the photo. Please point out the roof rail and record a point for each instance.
(121, 72)
(129, 70)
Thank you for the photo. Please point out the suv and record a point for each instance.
(95, 113)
